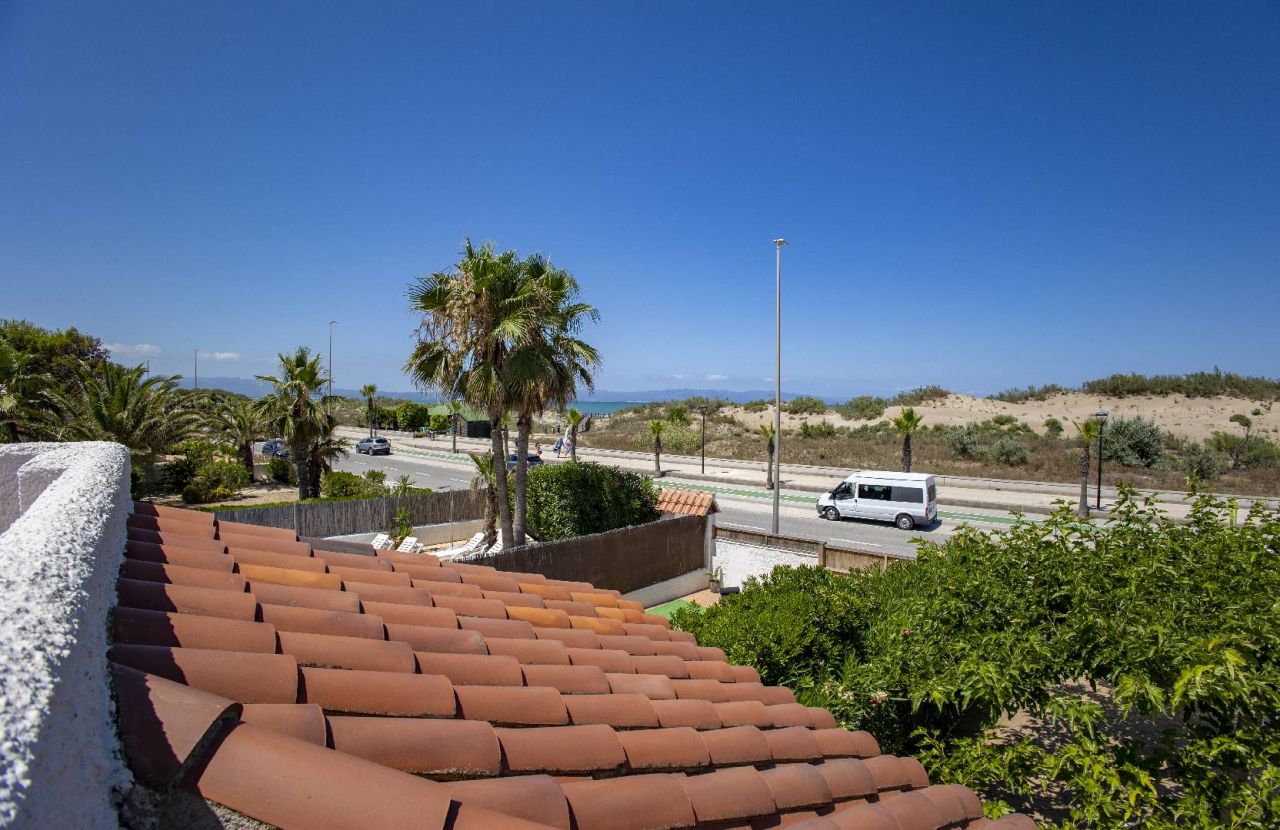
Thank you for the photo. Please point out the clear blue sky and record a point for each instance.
(978, 195)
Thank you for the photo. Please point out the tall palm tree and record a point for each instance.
(657, 428)
(455, 415)
(113, 403)
(907, 422)
(766, 430)
(485, 479)
(368, 392)
(296, 407)
(239, 422)
(326, 449)
(1088, 432)
(474, 315)
(574, 417)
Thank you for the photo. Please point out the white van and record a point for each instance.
(906, 499)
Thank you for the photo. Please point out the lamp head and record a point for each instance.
(780, 242)
(1103, 414)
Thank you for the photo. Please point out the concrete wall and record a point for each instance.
(63, 509)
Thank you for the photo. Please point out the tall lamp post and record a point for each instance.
(195, 361)
(1102, 425)
(703, 410)
(331, 325)
(777, 385)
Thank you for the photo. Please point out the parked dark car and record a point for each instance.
(275, 448)
(530, 461)
(374, 446)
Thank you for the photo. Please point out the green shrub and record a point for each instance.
(1030, 393)
(1052, 427)
(412, 416)
(862, 408)
(678, 414)
(1257, 452)
(805, 405)
(568, 500)
(282, 470)
(178, 473)
(1010, 451)
(1133, 442)
(757, 406)
(964, 441)
(377, 477)
(439, 422)
(343, 485)
(822, 429)
(1203, 464)
(1004, 419)
(918, 396)
(1193, 385)
(222, 475)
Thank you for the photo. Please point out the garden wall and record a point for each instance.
(625, 559)
(340, 518)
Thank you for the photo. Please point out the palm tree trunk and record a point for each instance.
(304, 474)
(768, 476)
(496, 441)
(1083, 510)
(491, 515)
(523, 427)
(906, 453)
(455, 434)
(246, 457)
(657, 455)
(573, 443)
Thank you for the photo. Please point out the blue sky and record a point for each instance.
(979, 195)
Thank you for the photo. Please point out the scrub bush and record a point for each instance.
(1004, 419)
(1009, 451)
(1133, 442)
(757, 406)
(568, 500)
(1052, 427)
(282, 470)
(964, 441)
(343, 485)
(862, 408)
(805, 405)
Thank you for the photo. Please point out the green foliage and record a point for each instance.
(377, 477)
(822, 429)
(1133, 442)
(1193, 385)
(919, 395)
(344, 485)
(678, 414)
(863, 408)
(60, 354)
(1004, 419)
(1030, 393)
(757, 405)
(1175, 624)
(439, 422)
(1010, 451)
(401, 527)
(282, 470)
(805, 405)
(964, 441)
(575, 499)
(1052, 427)
(1255, 451)
(411, 416)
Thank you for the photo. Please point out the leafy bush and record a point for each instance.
(1010, 451)
(282, 470)
(412, 416)
(178, 473)
(568, 500)
(377, 477)
(678, 414)
(343, 485)
(200, 493)
(439, 422)
(964, 441)
(1175, 623)
(862, 408)
(822, 429)
(757, 406)
(1030, 393)
(1193, 385)
(1133, 442)
(1201, 463)
(1004, 419)
(1052, 427)
(215, 480)
(805, 405)
(918, 396)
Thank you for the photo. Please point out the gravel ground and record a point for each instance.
(741, 562)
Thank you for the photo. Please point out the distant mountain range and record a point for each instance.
(255, 388)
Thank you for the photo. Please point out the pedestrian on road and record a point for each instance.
(537, 448)
(557, 445)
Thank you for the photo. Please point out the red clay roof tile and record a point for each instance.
(698, 714)
(568, 680)
(847, 778)
(450, 748)
(744, 713)
(865, 817)
(355, 578)
(561, 749)
(320, 598)
(544, 652)
(634, 801)
(466, 606)
(606, 659)
(793, 743)
(621, 711)
(326, 651)
(444, 576)
(729, 794)
(711, 690)
(636, 646)
(598, 625)
(546, 592)
(304, 721)
(182, 575)
(177, 540)
(512, 706)
(539, 617)
(378, 693)
(490, 628)
(418, 615)
(251, 556)
(247, 529)
(745, 674)
(795, 786)
(472, 669)
(398, 594)
(836, 743)
(146, 508)
(664, 750)
(214, 560)
(291, 576)
(789, 714)
(161, 628)
(301, 550)
(491, 582)
(351, 560)
(186, 599)
(571, 637)
(536, 798)
(652, 686)
(444, 640)
(241, 676)
(708, 670)
(888, 772)
(514, 599)
(913, 811)
(315, 621)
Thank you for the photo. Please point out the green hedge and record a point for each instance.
(575, 499)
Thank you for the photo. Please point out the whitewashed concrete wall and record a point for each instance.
(63, 509)
(739, 562)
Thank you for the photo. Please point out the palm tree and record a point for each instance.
(485, 479)
(657, 428)
(113, 403)
(455, 415)
(239, 422)
(474, 315)
(766, 430)
(1088, 432)
(574, 417)
(296, 408)
(905, 425)
(327, 449)
(403, 486)
(368, 391)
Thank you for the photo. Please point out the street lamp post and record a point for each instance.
(195, 360)
(331, 324)
(1102, 425)
(703, 410)
(777, 385)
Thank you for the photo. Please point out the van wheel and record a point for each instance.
(905, 522)
(831, 514)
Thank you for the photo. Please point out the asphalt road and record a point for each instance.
(741, 506)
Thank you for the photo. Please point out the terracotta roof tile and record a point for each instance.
(378, 693)
(246, 529)
(146, 508)
(262, 656)
(686, 502)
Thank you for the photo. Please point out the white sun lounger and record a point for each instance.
(472, 545)
(381, 542)
(409, 545)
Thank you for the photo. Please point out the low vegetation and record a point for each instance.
(1193, 385)
(1119, 675)
(575, 499)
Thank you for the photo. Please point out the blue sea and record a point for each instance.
(602, 407)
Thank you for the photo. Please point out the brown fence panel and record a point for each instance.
(339, 518)
(625, 559)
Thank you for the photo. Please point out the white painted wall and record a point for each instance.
(740, 562)
(63, 509)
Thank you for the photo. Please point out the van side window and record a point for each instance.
(933, 493)
(911, 494)
(874, 492)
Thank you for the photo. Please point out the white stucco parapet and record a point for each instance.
(63, 515)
